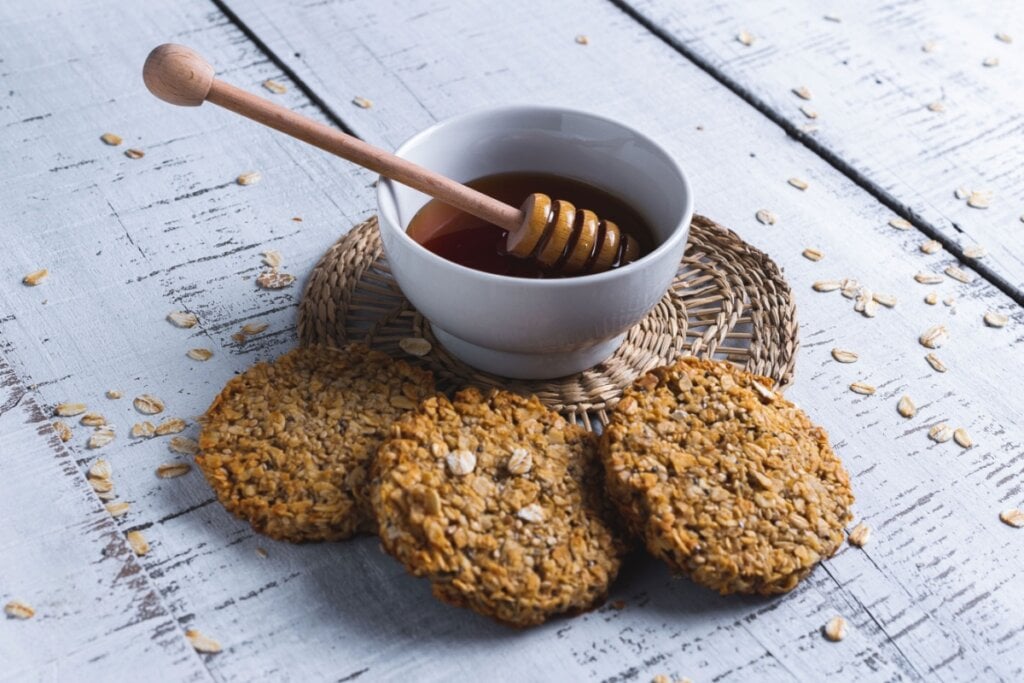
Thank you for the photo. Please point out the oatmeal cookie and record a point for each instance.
(499, 502)
(287, 445)
(724, 479)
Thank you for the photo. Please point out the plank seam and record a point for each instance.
(822, 151)
(292, 75)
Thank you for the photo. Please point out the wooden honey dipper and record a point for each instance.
(557, 234)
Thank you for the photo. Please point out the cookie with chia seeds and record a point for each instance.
(287, 445)
(499, 501)
(725, 480)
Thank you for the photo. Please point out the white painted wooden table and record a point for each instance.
(936, 595)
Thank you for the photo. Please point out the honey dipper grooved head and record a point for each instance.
(561, 237)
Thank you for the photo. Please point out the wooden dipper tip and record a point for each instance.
(178, 75)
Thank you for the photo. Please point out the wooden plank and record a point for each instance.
(873, 72)
(128, 241)
(63, 555)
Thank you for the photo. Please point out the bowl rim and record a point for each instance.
(385, 185)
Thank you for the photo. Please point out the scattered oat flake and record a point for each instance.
(870, 306)
(254, 328)
(113, 394)
(138, 542)
(101, 437)
(69, 409)
(93, 420)
(860, 535)
(262, 552)
(900, 223)
(415, 346)
(887, 300)
(63, 430)
(931, 246)
(849, 288)
(962, 438)
(16, 609)
(274, 280)
(362, 102)
(813, 254)
(174, 425)
(272, 258)
(990, 61)
(961, 192)
(100, 470)
(582, 40)
(170, 470)
(117, 509)
(928, 278)
(862, 388)
(808, 112)
(134, 153)
(199, 354)
(798, 184)
(835, 629)
(936, 364)
(202, 643)
(959, 274)
(275, 87)
(802, 92)
(934, 337)
(531, 513)
(937, 107)
(745, 37)
(182, 319)
(147, 404)
(1004, 37)
(929, 46)
(976, 252)
(844, 356)
(906, 407)
(931, 298)
(143, 430)
(940, 433)
(949, 301)
(101, 486)
(1014, 517)
(249, 178)
(111, 139)
(826, 285)
(993, 319)
(183, 445)
(979, 199)
(766, 217)
(35, 278)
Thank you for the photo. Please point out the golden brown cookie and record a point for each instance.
(499, 502)
(724, 479)
(287, 445)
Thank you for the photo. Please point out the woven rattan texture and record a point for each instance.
(728, 301)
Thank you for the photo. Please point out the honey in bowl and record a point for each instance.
(475, 243)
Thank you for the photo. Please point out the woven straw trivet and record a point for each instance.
(728, 301)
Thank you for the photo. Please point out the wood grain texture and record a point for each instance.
(931, 597)
(872, 83)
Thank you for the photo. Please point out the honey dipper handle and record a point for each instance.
(179, 75)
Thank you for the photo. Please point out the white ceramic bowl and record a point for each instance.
(526, 328)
